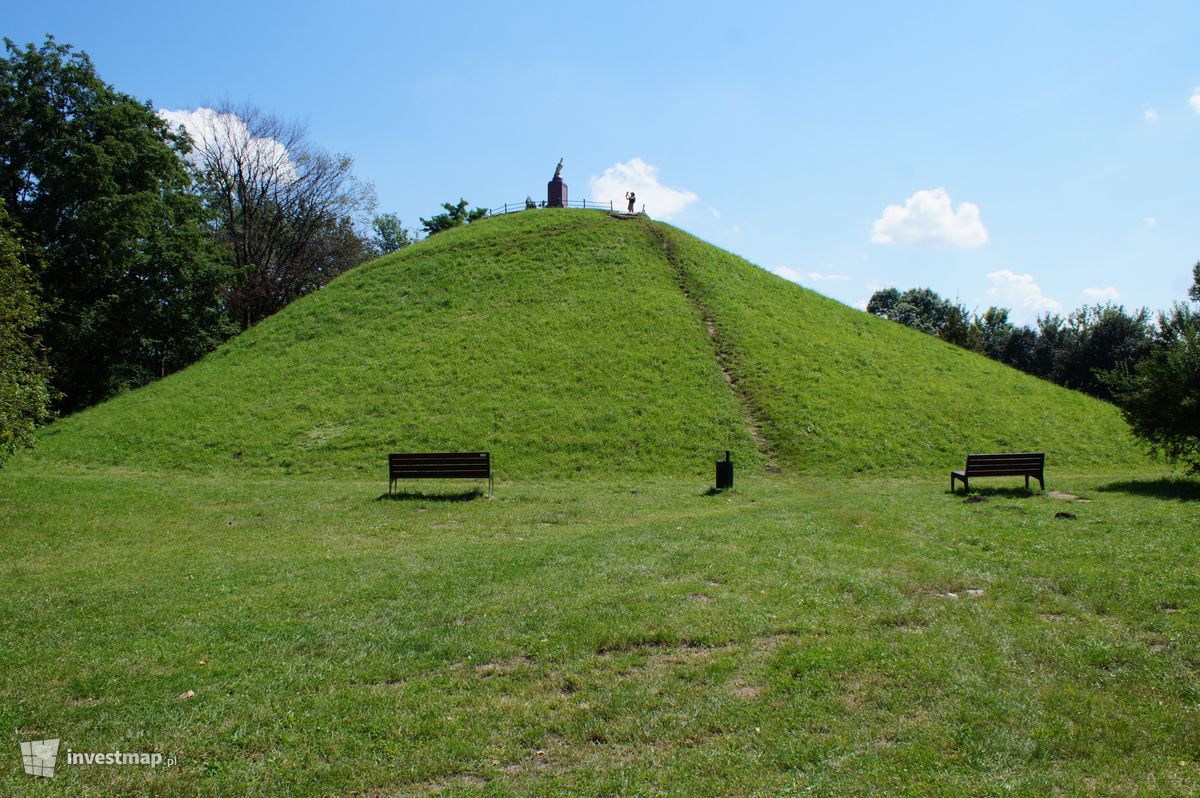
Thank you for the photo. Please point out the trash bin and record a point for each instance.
(725, 472)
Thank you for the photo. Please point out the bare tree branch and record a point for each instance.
(288, 210)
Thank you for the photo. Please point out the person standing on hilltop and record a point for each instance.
(629, 195)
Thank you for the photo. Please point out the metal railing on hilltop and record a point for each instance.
(526, 205)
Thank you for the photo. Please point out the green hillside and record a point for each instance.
(574, 343)
(838, 389)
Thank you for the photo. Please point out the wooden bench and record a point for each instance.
(439, 465)
(1025, 464)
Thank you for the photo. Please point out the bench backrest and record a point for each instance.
(1005, 465)
(431, 465)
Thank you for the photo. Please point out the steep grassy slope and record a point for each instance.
(559, 341)
(837, 389)
(573, 343)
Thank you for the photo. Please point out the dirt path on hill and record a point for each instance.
(750, 413)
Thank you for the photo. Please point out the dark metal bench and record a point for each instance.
(439, 465)
(1025, 464)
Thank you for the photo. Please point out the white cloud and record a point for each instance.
(208, 127)
(789, 273)
(861, 305)
(1150, 114)
(928, 218)
(716, 213)
(1020, 294)
(1194, 100)
(1109, 294)
(641, 178)
(1149, 221)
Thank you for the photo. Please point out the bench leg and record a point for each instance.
(1026, 483)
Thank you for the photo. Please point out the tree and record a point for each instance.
(992, 331)
(24, 372)
(883, 303)
(390, 234)
(454, 216)
(956, 326)
(1019, 349)
(922, 309)
(1051, 344)
(287, 210)
(1101, 338)
(94, 181)
(1160, 395)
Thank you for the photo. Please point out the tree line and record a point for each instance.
(130, 247)
(1149, 365)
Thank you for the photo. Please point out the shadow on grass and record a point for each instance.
(1187, 490)
(1012, 493)
(419, 496)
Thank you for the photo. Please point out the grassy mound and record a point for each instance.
(573, 343)
(559, 341)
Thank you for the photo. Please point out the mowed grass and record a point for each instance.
(795, 637)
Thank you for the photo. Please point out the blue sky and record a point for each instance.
(1033, 155)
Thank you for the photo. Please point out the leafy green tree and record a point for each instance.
(992, 332)
(922, 309)
(390, 234)
(883, 303)
(455, 215)
(1101, 338)
(95, 182)
(1160, 395)
(1052, 340)
(1019, 347)
(24, 372)
(956, 326)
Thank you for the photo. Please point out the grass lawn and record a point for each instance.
(800, 636)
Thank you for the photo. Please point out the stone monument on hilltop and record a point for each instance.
(556, 189)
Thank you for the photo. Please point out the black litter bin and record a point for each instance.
(725, 472)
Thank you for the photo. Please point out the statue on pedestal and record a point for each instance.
(556, 189)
